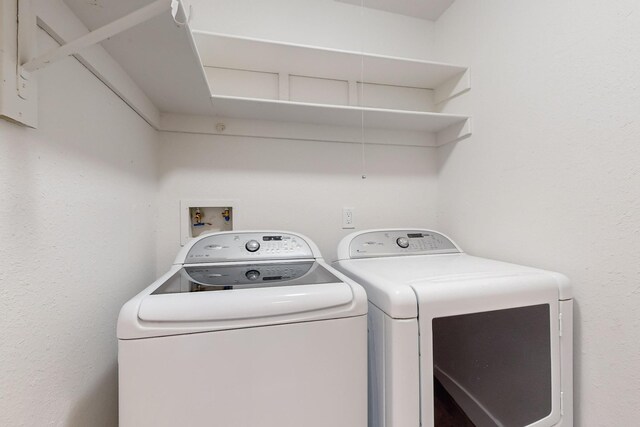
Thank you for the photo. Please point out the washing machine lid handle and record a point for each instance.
(243, 304)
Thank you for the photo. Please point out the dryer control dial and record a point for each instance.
(403, 242)
(252, 245)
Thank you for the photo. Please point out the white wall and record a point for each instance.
(77, 226)
(325, 23)
(294, 185)
(551, 175)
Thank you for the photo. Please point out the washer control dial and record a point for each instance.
(252, 245)
(403, 242)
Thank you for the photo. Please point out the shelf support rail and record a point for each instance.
(109, 30)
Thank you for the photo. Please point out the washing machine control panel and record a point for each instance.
(248, 247)
(400, 242)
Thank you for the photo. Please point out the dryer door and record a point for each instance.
(490, 352)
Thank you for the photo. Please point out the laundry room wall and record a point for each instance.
(292, 184)
(551, 175)
(325, 23)
(77, 225)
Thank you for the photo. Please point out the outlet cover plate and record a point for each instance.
(348, 218)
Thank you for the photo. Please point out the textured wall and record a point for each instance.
(551, 176)
(294, 185)
(78, 239)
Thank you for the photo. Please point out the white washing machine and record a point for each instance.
(456, 340)
(246, 329)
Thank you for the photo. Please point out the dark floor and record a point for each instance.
(447, 412)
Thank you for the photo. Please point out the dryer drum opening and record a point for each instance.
(496, 365)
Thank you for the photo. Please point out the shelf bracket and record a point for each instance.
(177, 10)
(453, 87)
(109, 30)
(283, 86)
(454, 133)
(353, 93)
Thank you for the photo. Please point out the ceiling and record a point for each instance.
(423, 9)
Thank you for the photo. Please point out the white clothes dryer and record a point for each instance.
(246, 329)
(458, 340)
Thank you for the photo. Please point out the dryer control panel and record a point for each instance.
(248, 246)
(400, 242)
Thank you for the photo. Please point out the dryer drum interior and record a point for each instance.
(493, 368)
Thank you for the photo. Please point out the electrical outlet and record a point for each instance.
(347, 218)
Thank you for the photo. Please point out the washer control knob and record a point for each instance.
(252, 274)
(252, 245)
(403, 242)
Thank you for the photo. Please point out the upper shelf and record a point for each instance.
(162, 56)
(158, 54)
(431, 10)
(226, 51)
(284, 82)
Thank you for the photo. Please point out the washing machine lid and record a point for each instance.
(209, 293)
(395, 284)
(241, 279)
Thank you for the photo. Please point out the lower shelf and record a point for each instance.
(337, 115)
(265, 118)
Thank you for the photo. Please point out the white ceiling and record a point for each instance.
(423, 9)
